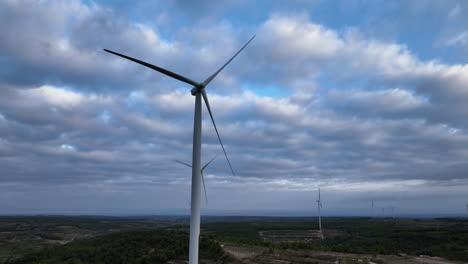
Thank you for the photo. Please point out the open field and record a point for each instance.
(234, 240)
(250, 255)
(289, 236)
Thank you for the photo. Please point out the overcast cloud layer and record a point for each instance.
(366, 99)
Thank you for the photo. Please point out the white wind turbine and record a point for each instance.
(202, 174)
(319, 205)
(198, 91)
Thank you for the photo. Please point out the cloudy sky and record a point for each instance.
(366, 99)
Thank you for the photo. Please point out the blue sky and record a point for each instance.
(366, 99)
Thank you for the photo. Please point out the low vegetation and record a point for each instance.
(50, 240)
(131, 247)
(446, 238)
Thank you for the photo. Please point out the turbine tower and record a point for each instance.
(199, 92)
(319, 205)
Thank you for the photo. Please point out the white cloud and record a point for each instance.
(461, 39)
(55, 97)
(281, 108)
(389, 100)
(454, 12)
(67, 147)
(287, 141)
(295, 37)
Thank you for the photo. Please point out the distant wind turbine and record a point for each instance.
(203, 176)
(372, 208)
(198, 91)
(319, 205)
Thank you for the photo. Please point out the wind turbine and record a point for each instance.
(319, 205)
(203, 176)
(372, 208)
(198, 91)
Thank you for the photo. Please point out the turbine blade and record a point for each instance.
(204, 187)
(203, 177)
(184, 163)
(205, 97)
(207, 81)
(206, 165)
(156, 68)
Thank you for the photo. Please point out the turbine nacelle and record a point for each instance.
(197, 89)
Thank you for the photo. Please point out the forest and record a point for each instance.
(443, 237)
(160, 240)
(142, 246)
